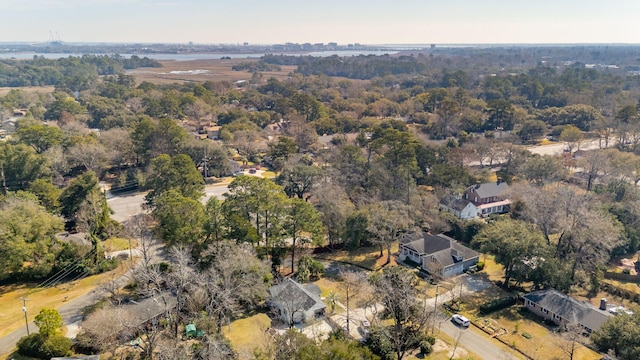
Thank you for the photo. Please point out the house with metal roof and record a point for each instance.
(562, 309)
(439, 255)
(296, 303)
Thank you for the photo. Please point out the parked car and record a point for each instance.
(252, 171)
(365, 326)
(460, 320)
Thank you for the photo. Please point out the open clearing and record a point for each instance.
(202, 70)
(11, 315)
(248, 333)
(28, 89)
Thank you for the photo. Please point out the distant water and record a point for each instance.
(208, 56)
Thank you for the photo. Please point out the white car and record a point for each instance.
(460, 320)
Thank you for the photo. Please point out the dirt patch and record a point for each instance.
(440, 346)
(459, 353)
(201, 71)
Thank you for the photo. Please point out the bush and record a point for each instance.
(379, 344)
(107, 265)
(30, 345)
(498, 304)
(38, 346)
(425, 347)
(480, 265)
(57, 345)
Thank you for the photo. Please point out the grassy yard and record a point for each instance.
(248, 334)
(117, 244)
(11, 315)
(268, 175)
(517, 321)
(367, 257)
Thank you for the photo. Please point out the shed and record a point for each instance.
(190, 330)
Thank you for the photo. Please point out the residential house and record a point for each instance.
(439, 255)
(489, 198)
(20, 112)
(296, 303)
(458, 206)
(213, 132)
(562, 309)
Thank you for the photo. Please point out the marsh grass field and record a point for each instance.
(199, 71)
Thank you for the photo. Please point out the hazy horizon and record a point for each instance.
(377, 22)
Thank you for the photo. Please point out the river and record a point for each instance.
(204, 56)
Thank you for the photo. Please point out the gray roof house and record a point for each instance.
(439, 255)
(489, 198)
(295, 302)
(562, 309)
(458, 206)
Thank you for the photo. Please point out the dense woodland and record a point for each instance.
(358, 163)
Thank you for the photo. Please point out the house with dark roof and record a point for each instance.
(562, 309)
(296, 303)
(439, 255)
(489, 198)
(458, 206)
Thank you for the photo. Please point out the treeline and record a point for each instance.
(360, 67)
(253, 66)
(40, 71)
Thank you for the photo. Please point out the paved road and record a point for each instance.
(125, 206)
(556, 149)
(474, 342)
(480, 344)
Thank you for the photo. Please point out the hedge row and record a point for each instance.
(498, 304)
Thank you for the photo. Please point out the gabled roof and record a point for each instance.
(490, 189)
(455, 203)
(575, 311)
(290, 290)
(441, 247)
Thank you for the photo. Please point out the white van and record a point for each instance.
(461, 320)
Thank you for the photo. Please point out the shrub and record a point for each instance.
(30, 345)
(42, 347)
(498, 304)
(379, 344)
(425, 347)
(480, 265)
(56, 345)
(107, 265)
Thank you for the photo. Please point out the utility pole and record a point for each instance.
(205, 163)
(24, 309)
(4, 180)
(435, 310)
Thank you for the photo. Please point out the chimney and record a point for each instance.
(477, 184)
(603, 304)
(499, 180)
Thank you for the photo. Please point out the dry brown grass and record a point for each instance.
(29, 89)
(368, 257)
(11, 315)
(543, 342)
(248, 334)
(219, 70)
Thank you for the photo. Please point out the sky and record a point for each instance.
(322, 21)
